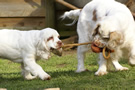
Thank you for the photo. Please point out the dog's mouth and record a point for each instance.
(99, 43)
(57, 51)
(57, 48)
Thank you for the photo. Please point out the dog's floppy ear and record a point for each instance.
(96, 30)
(117, 37)
(115, 40)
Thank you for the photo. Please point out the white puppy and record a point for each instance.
(26, 47)
(102, 17)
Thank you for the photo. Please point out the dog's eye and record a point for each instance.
(58, 36)
(50, 38)
(106, 39)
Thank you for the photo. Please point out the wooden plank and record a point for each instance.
(22, 8)
(50, 13)
(22, 23)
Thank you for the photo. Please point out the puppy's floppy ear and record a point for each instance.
(41, 50)
(42, 42)
(96, 30)
(41, 46)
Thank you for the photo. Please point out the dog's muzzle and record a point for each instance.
(57, 51)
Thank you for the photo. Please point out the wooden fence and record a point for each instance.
(38, 14)
(22, 14)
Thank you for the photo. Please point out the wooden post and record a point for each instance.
(49, 13)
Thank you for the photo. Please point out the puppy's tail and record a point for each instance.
(73, 14)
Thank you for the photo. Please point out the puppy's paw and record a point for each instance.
(46, 77)
(30, 77)
(101, 73)
(122, 69)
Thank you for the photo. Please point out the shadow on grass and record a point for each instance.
(70, 73)
(10, 76)
(59, 79)
(17, 76)
(68, 80)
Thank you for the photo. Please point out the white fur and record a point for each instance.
(111, 16)
(26, 47)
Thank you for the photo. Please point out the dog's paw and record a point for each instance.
(132, 62)
(101, 73)
(122, 69)
(82, 70)
(46, 77)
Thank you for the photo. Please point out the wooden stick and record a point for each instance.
(66, 4)
(76, 44)
(128, 2)
(133, 14)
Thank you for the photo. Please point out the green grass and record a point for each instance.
(62, 71)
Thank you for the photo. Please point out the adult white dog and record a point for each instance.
(102, 17)
(26, 47)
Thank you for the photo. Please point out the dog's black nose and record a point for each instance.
(59, 43)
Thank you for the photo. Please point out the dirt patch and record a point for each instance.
(69, 52)
(61, 65)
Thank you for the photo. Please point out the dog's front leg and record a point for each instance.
(132, 60)
(115, 57)
(132, 56)
(81, 50)
(117, 66)
(31, 66)
(102, 66)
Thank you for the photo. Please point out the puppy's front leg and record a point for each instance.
(35, 69)
(26, 74)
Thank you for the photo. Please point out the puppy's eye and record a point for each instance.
(50, 38)
(58, 36)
